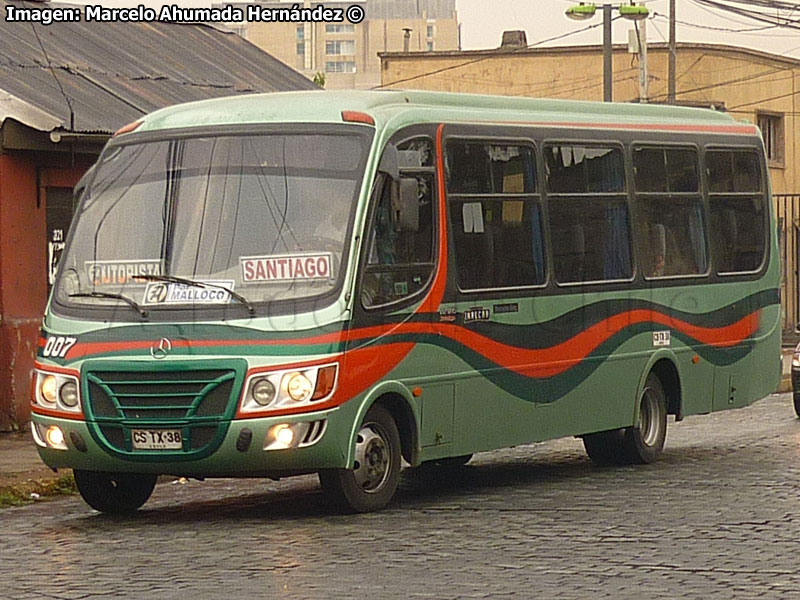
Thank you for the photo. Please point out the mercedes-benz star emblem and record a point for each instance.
(160, 350)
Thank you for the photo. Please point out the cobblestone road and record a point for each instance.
(717, 517)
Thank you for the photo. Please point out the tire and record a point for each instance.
(114, 493)
(453, 462)
(372, 483)
(796, 397)
(605, 447)
(446, 464)
(640, 444)
(644, 441)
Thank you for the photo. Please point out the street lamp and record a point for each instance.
(584, 11)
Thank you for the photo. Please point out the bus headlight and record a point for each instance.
(48, 388)
(298, 386)
(57, 391)
(263, 392)
(288, 388)
(69, 394)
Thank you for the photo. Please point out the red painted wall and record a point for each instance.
(23, 270)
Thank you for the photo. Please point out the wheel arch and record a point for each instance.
(664, 365)
(398, 400)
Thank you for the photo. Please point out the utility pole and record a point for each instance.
(607, 93)
(643, 83)
(671, 72)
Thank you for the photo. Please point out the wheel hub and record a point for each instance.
(372, 460)
(648, 423)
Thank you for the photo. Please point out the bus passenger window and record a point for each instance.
(589, 220)
(591, 240)
(495, 215)
(738, 210)
(671, 226)
(672, 236)
(399, 262)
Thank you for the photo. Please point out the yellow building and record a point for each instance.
(346, 53)
(754, 86)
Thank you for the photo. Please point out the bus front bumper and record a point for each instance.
(246, 448)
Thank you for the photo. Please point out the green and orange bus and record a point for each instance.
(335, 283)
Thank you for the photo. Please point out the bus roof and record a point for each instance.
(398, 108)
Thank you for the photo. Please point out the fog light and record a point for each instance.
(284, 436)
(55, 437)
(69, 394)
(279, 437)
(298, 387)
(48, 388)
(263, 392)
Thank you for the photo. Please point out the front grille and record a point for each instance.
(160, 396)
(197, 401)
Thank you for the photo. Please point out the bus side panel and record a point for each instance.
(756, 374)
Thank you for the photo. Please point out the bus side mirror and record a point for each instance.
(390, 162)
(405, 204)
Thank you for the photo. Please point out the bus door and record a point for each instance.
(397, 272)
(495, 223)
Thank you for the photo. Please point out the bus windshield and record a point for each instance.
(178, 223)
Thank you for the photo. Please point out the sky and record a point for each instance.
(483, 22)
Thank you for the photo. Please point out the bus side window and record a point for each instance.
(588, 211)
(495, 215)
(399, 261)
(671, 223)
(738, 210)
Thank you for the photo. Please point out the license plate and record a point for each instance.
(156, 439)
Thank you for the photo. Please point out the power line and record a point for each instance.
(491, 55)
(727, 82)
(58, 83)
(755, 14)
(762, 100)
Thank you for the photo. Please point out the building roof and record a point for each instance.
(396, 108)
(113, 73)
(501, 52)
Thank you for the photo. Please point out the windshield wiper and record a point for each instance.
(130, 302)
(200, 284)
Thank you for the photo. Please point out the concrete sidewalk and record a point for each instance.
(20, 462)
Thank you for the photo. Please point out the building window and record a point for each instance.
(340, 67)
(429, 32)
(301, 33)
(430, 46)
(340, 47)
(301, 48)
(340, 28)
(771, 127)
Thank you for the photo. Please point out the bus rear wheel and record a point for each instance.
(114, 493)
(373, 481)
(640, 444)
(645, 440)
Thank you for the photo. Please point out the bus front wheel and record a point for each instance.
(372, 482)
(114, 493)
(641, 443)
